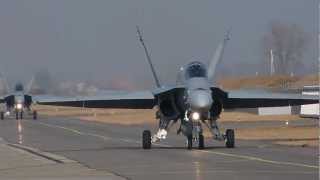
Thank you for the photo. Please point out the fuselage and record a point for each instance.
(18, 100)
(198, 96)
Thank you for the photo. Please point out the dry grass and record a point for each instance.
(268, 81)
(248, 117)
(135, 116)
(281, 133)
(115, 116)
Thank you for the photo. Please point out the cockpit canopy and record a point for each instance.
(19, 87)
(195, 69)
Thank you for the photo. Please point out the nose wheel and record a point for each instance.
(19, 115)
(146, 139)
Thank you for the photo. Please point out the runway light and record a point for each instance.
(195, 116)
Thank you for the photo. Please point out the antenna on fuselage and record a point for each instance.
(217, 57)
(148, 58)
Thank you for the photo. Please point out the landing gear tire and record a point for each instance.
(35, 115)
(189, 142)
(146, 139)
(230, 140)
(17, 115)
(2, 115)
(201, 141)
(21, 115)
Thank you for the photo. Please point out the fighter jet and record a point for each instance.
(193, 102)
(17, 102)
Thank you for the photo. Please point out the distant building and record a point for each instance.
(285, 110)
(310, 110)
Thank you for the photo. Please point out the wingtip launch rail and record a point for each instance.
(148, 58)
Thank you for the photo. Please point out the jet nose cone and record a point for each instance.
(200, 100)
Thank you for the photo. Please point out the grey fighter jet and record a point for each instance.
(193, 102)
(17, 102)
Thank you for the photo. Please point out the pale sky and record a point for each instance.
(96, 39)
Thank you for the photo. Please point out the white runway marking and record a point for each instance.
(61, 127)
(261, 159)
(217, 171)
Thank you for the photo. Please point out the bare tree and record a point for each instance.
(288, 42)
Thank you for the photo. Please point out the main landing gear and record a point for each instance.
(195, 134)
(19, 114)
(146, 139)
(229, 138)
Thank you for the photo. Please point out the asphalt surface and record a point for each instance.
(19, 163)
(117, 149)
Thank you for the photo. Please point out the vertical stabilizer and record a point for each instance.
(30, 84)
(4, 83)
(148, 58)
(217, 57)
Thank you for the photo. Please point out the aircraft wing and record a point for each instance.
(247, 99)
(130, 100)
(147, 99)
(4, 98)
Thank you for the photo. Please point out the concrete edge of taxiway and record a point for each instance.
(23, 162)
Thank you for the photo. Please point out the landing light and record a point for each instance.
(19, 106)
(195, 116)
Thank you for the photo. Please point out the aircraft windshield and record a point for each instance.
(196, 69)
(19, 87)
